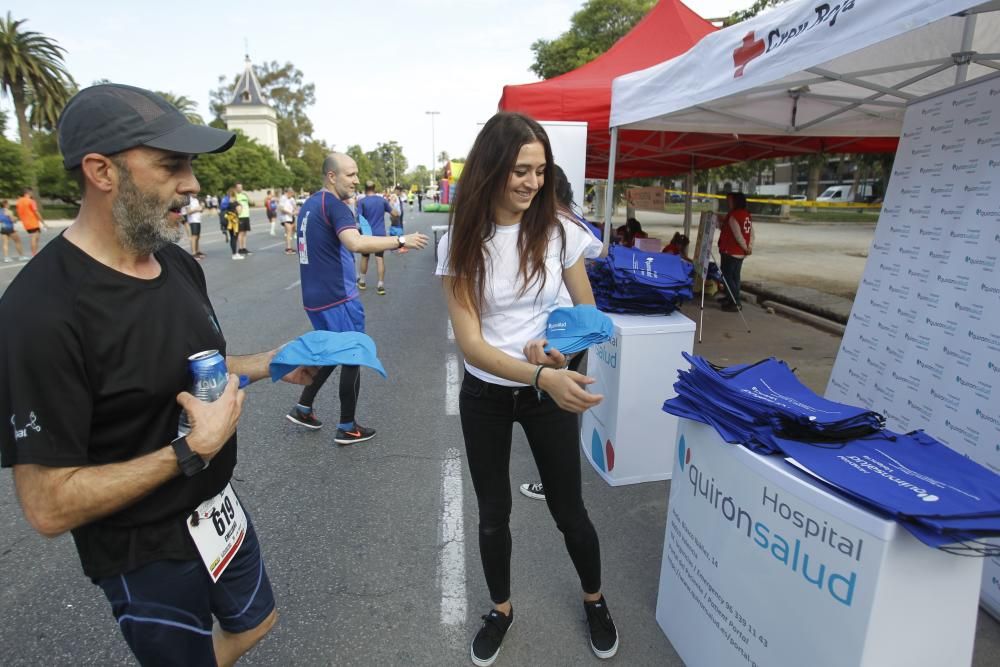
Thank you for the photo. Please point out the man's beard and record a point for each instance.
(141, 219)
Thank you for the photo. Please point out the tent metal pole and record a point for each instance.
(609, 193)
(969, 31)
(688, 201)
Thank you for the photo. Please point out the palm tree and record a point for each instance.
(185, 105)
(33, 75)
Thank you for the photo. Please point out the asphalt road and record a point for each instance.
(372, 549)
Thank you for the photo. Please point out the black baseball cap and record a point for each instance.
(110, 118)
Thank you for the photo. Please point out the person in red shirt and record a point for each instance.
(27, 213)
(735, 244)
(678, 246)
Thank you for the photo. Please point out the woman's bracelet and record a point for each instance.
(534, 380)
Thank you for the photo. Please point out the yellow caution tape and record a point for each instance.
(803, 203)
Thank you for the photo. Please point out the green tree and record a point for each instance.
(751, 11)
(287, 94)
(387, 163)
(247, 162)
(185, 105)
(33, 75)
(54, 181)
(365, 169)
(420, 176)
(14, 171)
(593, 30)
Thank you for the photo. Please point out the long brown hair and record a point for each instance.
(484, 182)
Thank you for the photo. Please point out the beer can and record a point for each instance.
(208, 380)
(208, 375)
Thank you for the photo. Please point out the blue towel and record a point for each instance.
(571, 330)
(326, 348)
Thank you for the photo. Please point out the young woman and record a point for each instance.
(504, 259)
(735, 244)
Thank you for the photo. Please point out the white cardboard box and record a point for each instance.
(763, 567)
(627, 437)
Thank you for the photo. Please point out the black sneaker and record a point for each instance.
(486, 643)
(534, 490)
(353, 435)
(307, 419)
(603, 634)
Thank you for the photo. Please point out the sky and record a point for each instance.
(377, 66)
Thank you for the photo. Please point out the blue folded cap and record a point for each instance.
(326, 348)
(571, 330)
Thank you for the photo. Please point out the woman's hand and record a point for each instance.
(534, 352)
(567, 389)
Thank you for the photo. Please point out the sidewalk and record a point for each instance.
(817, 307)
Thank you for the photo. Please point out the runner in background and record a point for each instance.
(286, 215)
(374, 207)
(31, 219)
(271, 211)
(7, 231)
(193, 215)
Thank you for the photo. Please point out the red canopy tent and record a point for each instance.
(584, 94)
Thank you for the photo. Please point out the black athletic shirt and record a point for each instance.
(91, 361)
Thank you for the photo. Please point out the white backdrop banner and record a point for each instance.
(923, 342)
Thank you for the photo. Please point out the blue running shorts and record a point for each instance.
(165, 608)
(347, 316)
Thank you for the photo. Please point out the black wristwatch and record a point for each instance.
(190, 462)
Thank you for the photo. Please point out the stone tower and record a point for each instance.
(249, 111)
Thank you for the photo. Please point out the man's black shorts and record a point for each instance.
(244, 224)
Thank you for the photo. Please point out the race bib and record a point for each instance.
(218, 527)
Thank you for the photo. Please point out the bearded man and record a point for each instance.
(94, 353)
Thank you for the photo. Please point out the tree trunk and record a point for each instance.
(812, 189)
(24, 130)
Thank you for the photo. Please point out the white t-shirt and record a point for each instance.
(286, 207)
(509, 319)
(193, 210)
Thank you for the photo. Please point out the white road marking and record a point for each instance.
(451, 386)
(273, 245)
(451, 331)
(293, 285)
(451, 571)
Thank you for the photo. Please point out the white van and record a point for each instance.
(844, 193)
(838, 193)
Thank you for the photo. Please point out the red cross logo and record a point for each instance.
(750, 48)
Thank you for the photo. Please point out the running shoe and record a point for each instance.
(603, 633)
(289, 251)
(238, 256)
(534, 490)
(24, 258)
(380, 290)
(307, 419)
(361, 284)
(486, 643)
(353, 436)
(7, 260)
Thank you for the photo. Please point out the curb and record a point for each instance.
(763, 294)
(816, 321)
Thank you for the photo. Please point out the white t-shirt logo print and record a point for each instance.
(21, 433)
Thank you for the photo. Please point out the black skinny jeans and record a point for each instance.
(488, 413)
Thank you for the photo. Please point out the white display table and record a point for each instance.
(627, 437)
(763, 567)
